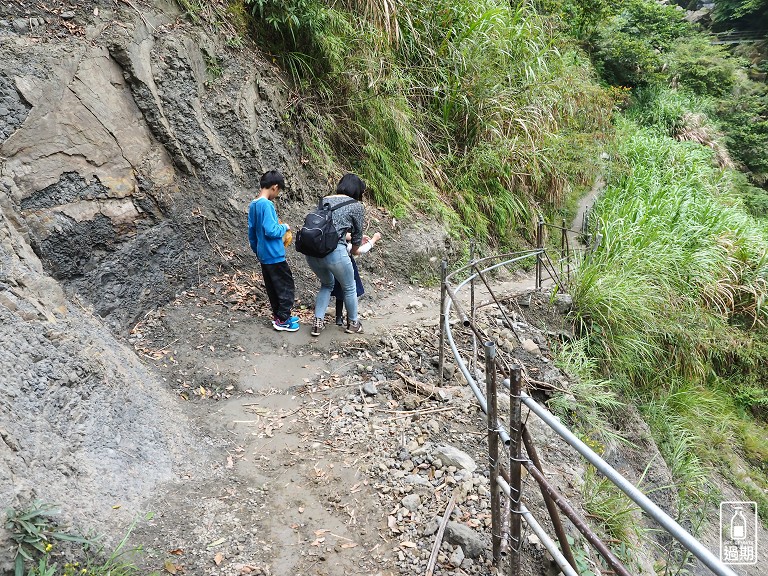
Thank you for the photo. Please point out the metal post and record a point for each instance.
(493, 447)
(539, 246)
(443, 289)
(515, 432)
(472, 281)
(554, 515)
(563, 239)
(473, 359)
(566, 254)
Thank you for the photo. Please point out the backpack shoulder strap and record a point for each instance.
(340, 204)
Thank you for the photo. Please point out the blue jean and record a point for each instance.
(336, 266)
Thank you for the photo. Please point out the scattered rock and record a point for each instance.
(457, 557)
(369, 389)
(563, 303)
(412, 502)
(462, 535)
(530, 346)
(452, 456)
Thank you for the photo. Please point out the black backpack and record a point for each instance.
(319, 237)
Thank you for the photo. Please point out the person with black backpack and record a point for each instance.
(348, 217)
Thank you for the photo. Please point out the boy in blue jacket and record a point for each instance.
(265, 234)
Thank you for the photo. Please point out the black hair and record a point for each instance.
(351, 185)
(269, 179)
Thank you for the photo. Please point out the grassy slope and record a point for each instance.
(672, 305)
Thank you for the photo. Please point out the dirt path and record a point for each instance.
(305, 469)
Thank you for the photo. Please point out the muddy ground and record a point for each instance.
(307, 478)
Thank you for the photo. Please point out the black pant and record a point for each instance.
(278, 282)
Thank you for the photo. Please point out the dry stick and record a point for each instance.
(132, 5)
(439, 536)
(423, 388)
(419, 413)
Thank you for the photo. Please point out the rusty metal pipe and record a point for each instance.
(548, 543)
(498, 305)
(579, 522)
(551, 507)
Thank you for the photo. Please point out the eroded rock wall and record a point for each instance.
(131, 148)
(82, 423)
(124, 167)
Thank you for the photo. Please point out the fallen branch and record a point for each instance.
(426, 390)
(439, 535)
(409, 413)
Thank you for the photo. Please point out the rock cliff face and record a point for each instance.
(126, 151)
(125, 161)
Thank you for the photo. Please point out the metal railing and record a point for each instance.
(507, 482)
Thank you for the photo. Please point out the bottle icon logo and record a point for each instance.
(738, 525)
(738, 533)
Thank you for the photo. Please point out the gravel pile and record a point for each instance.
(421, 445)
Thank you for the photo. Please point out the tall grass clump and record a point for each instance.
(680, 263)
(467, 109)
(672, 300)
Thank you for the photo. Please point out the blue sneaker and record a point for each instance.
(289, 325)
(294, 319)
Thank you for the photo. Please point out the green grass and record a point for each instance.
(610, 507)
(36, 533)
(466, 110)
(672, 303)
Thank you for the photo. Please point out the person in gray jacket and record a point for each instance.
(338, 264)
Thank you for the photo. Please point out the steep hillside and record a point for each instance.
(138, 372)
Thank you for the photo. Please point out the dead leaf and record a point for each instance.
(217, 542)
(349, 545)
(170, 567)
(317, 542)
(230, 462)
(218, 558)
(321, 531)
(408, 544)
(392, 524)
(176, 551)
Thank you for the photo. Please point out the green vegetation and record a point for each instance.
(671, 296)
(613, 509)
(35, 531)
(753, 13)
(464, 109)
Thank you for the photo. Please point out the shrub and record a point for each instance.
(700, 66)
(628, 49)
